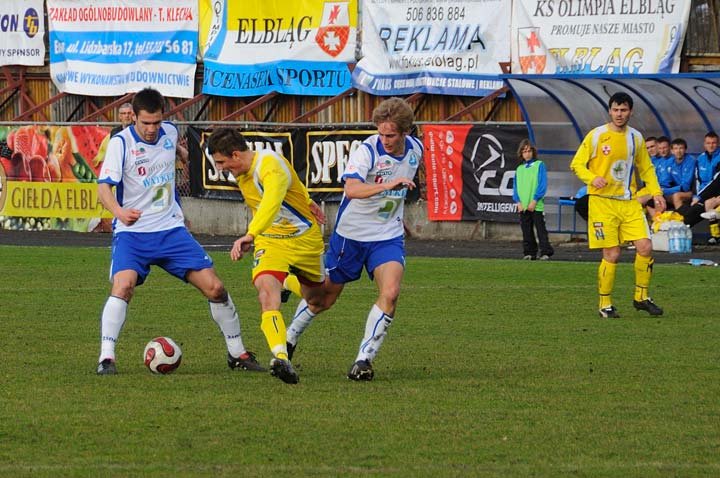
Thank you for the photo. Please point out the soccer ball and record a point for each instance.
(162, 355)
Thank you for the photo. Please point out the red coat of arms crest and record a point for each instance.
(334, 30)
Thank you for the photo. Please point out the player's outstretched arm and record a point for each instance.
(241, 246)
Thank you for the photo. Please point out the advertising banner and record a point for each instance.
(299, 48)
(318, 156)
(447, 47)
(48, 177)
(607, 37)
(470, 171)
(114, 47)
(22, 29)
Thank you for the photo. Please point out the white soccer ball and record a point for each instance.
(162, 355)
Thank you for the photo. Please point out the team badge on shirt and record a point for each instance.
(413, 160)
(619, 170)
(606, 149)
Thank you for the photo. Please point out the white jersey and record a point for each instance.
(379, 217)
(144, 178)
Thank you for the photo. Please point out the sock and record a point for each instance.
(292, 284)
(375, 331)
(111, 323)
(273, 327)
(606, 281)
(643, 273)
(225, 315)
(715, 229)
(302, 320)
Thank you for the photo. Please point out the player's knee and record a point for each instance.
(643, 247)
(611, 255)
(320, 303)
(123, 289)
(216, 291)
(391, 292)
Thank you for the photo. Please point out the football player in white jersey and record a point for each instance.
(149, 229)
(369, 229)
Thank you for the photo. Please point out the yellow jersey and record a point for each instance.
(619, 157)
(278, 200)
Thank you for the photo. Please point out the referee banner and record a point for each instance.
(300, 47)
(599, 37)
(470, 171)
(447, 47)
(114, 47)
(21, 33)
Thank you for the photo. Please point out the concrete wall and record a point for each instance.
(218, 217)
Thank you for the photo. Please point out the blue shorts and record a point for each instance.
(175, 250)
(345, 258)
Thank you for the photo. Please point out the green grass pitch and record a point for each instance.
(492, 368)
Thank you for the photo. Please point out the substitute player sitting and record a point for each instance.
(284, 230)
(606, 161)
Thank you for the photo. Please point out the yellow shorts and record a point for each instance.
(614, 221)
(302, 256)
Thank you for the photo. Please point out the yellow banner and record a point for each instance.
(40, 199)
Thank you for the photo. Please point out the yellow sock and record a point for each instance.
(273, 326)
(715, 229)
(293, 285)
(606, 281)
(643, 273)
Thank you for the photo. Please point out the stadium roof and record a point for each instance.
(560, 110)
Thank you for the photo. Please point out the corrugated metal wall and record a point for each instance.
(703, 35)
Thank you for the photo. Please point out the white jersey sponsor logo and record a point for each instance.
(379, 217)
(144, 176)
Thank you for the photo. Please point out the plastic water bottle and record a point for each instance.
(674, 239)
(688, 239)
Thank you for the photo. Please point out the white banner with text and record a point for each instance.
(451, 47)
(603, 37)
(301, 47)
(114, 47)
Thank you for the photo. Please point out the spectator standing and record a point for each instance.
(126, 117)
(606, 161)
(529, 190)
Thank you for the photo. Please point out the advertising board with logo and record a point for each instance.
(319, 157)
(607, 37)
(48, 177)
(451, 47)
(470, 171)
(300, 47)
(111, 48)
(22, 28)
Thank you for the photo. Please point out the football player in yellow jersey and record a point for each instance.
(608, 161)
(284, 230)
